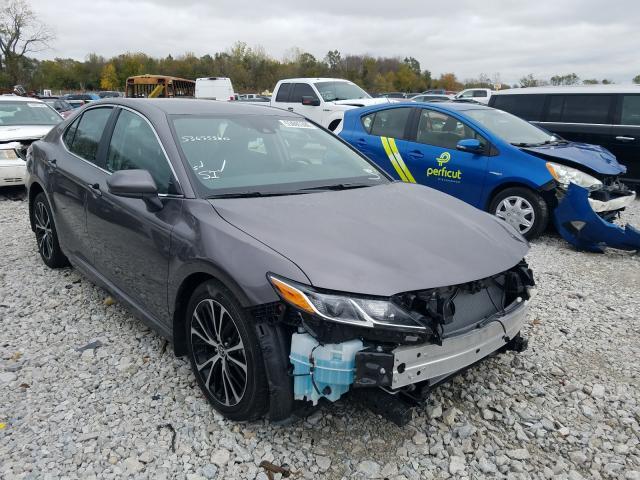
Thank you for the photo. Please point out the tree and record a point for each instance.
(333, 59)
(448, 81)
(636, 79)
(21, 33)
(413, 64)
(568, 79)
(590, 81)
(606, 81)
(529, 81)
(109, 77)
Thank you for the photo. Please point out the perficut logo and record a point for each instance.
(443, 172)
(443, 158)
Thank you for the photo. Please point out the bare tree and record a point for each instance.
(21, 33)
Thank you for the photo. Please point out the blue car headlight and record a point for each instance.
(565, 175)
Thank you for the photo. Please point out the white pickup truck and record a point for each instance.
(323, 100)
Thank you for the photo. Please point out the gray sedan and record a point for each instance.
(285, 264)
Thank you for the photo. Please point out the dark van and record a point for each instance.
(606, 115)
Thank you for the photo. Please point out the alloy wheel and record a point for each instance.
(44, 233)
(517, 212)
(219, 353)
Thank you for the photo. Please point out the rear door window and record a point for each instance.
(283, 92)
(630, 110)
(586, 108)
(390, 122)
(479, 93)
(87, 134)
(528, 107)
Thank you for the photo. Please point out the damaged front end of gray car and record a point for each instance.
(388, 352)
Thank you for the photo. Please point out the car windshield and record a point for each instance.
(266, 155)
(332, 91)
(28, 113)
(510, 128)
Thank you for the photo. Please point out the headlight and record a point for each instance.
(565, 175)
(351, 309)
(8, 154)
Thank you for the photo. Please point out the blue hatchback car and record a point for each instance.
(502, 164)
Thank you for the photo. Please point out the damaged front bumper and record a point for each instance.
(584, 221)
(434, 362)
(461, 325)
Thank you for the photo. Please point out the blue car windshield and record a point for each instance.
(268, 154)
(510, 128)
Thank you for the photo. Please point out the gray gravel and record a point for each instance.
(567, 408)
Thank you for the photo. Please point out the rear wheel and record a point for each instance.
(46, 234)
(523, 209)
(224, 352)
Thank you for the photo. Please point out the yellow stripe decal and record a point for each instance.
(403, 166)
(392, 158)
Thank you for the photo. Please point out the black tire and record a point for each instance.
(510, 205)
(46, 233)
(213, 350)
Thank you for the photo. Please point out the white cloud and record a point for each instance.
(468, 37)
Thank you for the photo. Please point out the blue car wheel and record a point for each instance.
(523, 209)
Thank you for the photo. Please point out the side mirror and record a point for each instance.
(470, 145)
(135, 184)
(310, 101)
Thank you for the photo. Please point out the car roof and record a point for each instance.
(315, 79)
(188, 106)
(571, 89)
(17, 98)
(451, 106)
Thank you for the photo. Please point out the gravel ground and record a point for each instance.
(569, 407)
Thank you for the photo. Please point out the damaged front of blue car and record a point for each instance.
(589, 196)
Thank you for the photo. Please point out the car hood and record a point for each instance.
(11, 133)
(380, 240)
(361, 102)
(595, 158)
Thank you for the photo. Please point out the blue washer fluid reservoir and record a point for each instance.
(333, 367)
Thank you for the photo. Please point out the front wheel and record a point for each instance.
(46, 234)
(523, 209)
(224, 352)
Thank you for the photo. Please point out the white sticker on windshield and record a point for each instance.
(38, 105)
(297, 124)
(203, 138)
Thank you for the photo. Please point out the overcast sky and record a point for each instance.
(592, 38)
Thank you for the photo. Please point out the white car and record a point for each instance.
(323, 100)
(431, 97)
(215, 88)
(23, 120)
(480, 95)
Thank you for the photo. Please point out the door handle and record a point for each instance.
(53, 163)
(625, 139)
(416, 154)
(361, 142)
(95, 188)
(290, 109)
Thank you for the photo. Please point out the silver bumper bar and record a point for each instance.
(429, 361)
